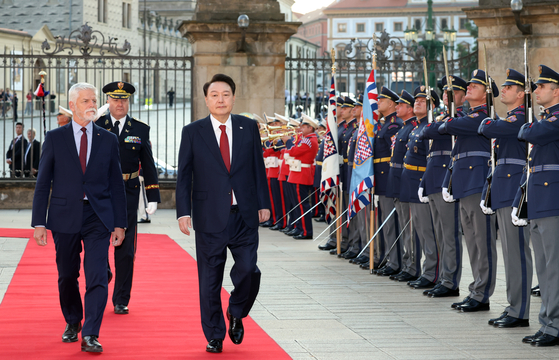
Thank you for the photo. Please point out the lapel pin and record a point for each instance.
(240, 127)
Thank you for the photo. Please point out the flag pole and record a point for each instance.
(372, 223)
(338, 199)
(42, 84)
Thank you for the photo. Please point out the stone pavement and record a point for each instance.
(316, 306)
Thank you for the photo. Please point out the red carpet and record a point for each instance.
(164, 319)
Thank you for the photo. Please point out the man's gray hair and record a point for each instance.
(33, 131)
(76, 88)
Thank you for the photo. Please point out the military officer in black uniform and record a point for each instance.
(134, 148)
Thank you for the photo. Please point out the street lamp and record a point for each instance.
(242, 22)
(516, 7)
(449, 36)
(410, 34)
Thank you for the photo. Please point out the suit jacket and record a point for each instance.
(15, 151)
(204, 184)
(102, 182)
(32, 158)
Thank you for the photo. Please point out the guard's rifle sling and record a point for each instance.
(491, 109)
(522, 211)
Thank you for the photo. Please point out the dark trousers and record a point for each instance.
(126, 252)
(277, 200)
(304, 224)
(290, 196)
(68, 247)
(211, 254)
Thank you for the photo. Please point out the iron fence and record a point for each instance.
(162, 98)
(399, 67)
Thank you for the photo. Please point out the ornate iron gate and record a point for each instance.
(88, 57)
(399, 67)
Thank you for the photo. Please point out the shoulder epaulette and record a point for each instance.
(140, 121)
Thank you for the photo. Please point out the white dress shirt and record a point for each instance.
(120, 125)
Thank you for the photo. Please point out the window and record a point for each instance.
(417, 24)
(444, 23)
(102, 11)
(360, 28)
(398, 26)
(126, 15)
(379, 27)
(342, 27)
(463, 22)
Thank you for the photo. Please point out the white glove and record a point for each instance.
(486, 210)
(375, 200)
(423, 199)
(446, 196)
(152, 208)
(515, 220)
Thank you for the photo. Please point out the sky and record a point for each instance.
(305, 6)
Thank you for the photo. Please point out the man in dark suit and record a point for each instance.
(32, 154)
(16, 152)
(87, 204)
(222, 190)
(135, 148)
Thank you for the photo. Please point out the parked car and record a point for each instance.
(165, 170)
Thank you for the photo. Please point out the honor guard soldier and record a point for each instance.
(415, 163)
(354, 244)
(446, 216)
(286, 143)
(400, 257)
(318, 171)
(382, 151)
(289, 188)
(510, 162)
(543, 204)
(272, 167)
(273, 170)
(301, 175)
(134, 148)
(469, 171)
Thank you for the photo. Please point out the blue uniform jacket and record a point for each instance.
(350, 153)
(543, 185)
(416, 157)
(470, 155)
(344, 146)
(397, 161)
(439, 156)
(318, 167)
(383, 151)
(342, 127)
(510, 154)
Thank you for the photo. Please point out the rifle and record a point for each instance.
(452, 111)
(491, 106)
(522, 211)
(428, 92)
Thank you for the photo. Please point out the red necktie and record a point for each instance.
(224, 147)
(83, 149)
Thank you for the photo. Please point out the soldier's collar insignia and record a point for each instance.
(107, 122)
(129, 123)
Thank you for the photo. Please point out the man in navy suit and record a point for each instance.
(222, 191)
(88, 204)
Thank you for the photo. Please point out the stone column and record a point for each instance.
(258, 68)
(505, 43)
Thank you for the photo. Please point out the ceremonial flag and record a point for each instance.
(362, 177)
(330, 164)
(40, 92)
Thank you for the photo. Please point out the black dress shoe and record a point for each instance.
(443, 291)
(286, 229)
(90, 344)
(276, 227)
(365, 265)
(530, 338)
(388, 271)
(342, 254)
(326, 247)
(501, 317)
(268, 223)
(302, 237)
(236, 329)
(144, 221)
(334, 251)
(427, 292)
(215, 346)
(121, 309)
(406, 276)
(457, 304)
(359, 260)
(474, 306)
(545, 340)
(375, 271)
(320, 219)
(422, 283)
(510, 322)
(350, 255)
(71, 332)
(292, 232)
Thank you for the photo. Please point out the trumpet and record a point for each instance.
(278, 135)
